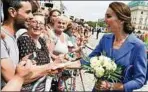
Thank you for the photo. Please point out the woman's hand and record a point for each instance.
(105, 85)
(54, 68)
(23, 69)
(61, 58)
(60, 66)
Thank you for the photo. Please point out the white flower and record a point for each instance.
(101, 58)
(99, 71)
(107, 65)
(93, 59)
(107, 59)
(106, 62)
(114, 65)
(94, 62)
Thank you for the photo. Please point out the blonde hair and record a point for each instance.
(64, 18)
(39, 16)
(37, 13)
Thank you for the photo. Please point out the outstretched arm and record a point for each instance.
(67, 65)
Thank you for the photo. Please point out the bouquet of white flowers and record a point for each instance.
(103, 68)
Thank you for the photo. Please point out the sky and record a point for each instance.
(88, 10)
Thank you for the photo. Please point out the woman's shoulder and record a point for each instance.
(66, 35)
(20, 32)
(106, 36)
(52, 33)
(135, 40)
(52, 37)
(23, 37)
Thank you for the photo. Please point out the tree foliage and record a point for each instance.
(94, 23)
(91, 23)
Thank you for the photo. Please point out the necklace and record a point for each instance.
(121, 39)
(119, 43)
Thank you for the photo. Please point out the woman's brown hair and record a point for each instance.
(124, 14)
(50, 14)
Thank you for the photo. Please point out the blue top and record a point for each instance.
(131, 53)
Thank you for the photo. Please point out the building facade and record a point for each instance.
(139, 15)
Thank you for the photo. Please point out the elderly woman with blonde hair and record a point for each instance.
(59, 39)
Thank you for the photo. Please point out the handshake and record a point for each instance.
(25, 69)
(59, 66)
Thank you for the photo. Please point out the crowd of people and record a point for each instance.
(37, 47)
(143, 36)
(29, 34)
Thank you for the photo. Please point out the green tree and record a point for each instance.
(101, 23)
(91, 23)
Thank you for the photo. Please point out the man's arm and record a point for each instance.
(7, 69)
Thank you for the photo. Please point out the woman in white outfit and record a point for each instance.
(59, 39)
